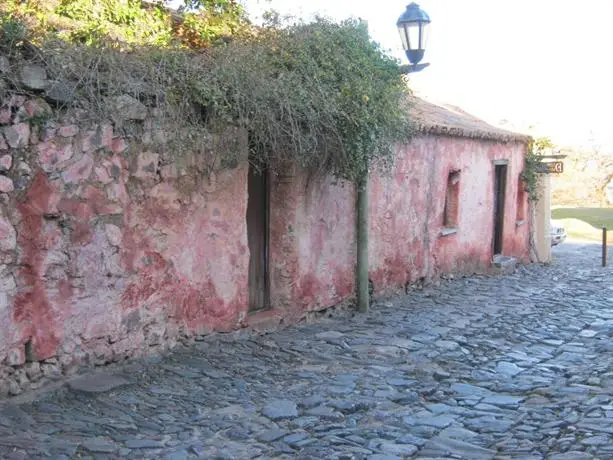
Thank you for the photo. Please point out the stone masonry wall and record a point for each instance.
(108, 246)
(312, 227)
(408, 239)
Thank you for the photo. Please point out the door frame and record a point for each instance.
(500, 191)
(265, 179)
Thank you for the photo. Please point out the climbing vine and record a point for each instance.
(533, 165)
(321, 94)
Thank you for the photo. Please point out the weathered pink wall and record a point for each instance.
(312, 242)
(313, 227)
(108, 248)
(407, 209)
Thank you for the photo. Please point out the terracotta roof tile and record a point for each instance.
(452, 121)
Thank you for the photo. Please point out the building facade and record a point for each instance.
(111, 249)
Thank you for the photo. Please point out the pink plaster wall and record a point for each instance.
(313, 227)
(407, 211)
(312, 242)
(108, 249)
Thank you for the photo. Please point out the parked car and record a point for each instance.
(558, 234)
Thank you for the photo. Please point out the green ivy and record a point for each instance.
(533, 165)
(322, 95)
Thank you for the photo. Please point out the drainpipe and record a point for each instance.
(534, 253)
(362, 239)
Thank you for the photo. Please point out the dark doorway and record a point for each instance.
(257, 236)
(500, 186)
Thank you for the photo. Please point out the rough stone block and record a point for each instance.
(102, 175)
(36, 107)
(5, 115)
(14, 388)
(17, 136)
(79, 171)
(3, 144)
(17, 100)
(60, 92)
(119, 145)
(146, 165)
(68, 131)
(7, 282)
(34, 135)
(154, 334)
(47, 132)
(6, 161)
(113, 234)
(8, 235)
(52, 156)
(16, 356)
(125, 107)
(33, 371)
(101, 137)
(51, 370)
(34, 77)
(504, 265)
(6, 184)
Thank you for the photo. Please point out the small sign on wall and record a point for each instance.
(552, 167)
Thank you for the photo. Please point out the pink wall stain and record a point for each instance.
(37, 313)
(407, 211)
(312, 243)
(190, 259)
(115, 260)
(313, 227)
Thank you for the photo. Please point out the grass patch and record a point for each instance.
(585, 223)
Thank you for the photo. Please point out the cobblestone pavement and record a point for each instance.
(504, 367)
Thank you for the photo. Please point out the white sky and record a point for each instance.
(533, 62)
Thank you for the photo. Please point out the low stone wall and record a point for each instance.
(109, 248)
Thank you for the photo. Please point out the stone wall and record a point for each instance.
(109, 247)
(313, 245)
(409, 241)
(312, 242)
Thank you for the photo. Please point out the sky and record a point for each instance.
(540, 64)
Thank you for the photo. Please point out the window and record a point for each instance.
(452, 198)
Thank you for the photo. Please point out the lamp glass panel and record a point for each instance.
(412, 30)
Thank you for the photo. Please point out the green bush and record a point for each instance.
(320, 94)
(533, 165)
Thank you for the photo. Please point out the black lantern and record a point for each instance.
(413, 28)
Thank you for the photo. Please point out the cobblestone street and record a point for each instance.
(504, 367)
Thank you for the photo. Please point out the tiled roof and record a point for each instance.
(448, 120)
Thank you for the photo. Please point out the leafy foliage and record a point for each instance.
(533, 165)
(132, 22)
(320, 94)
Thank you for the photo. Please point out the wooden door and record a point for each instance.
(257, 235)
(500, 186)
